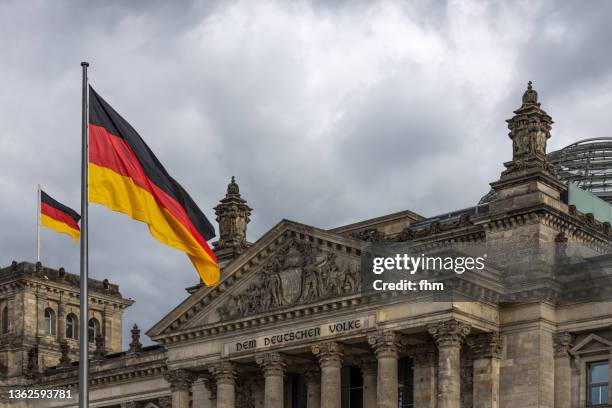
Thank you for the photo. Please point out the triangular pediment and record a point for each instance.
(591, 344)
(290, 266)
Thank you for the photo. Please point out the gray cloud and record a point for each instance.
(326, 113)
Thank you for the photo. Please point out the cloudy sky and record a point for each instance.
(326, 112)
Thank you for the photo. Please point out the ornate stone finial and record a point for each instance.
(135, 345)
(530, 95)
(100, 350)
(65, 354)
(233, 216)
(232, 187)
(179, 379)
(449, 333)
(529, 131)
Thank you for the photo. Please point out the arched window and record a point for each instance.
(49, 322)
(71, 326)
(93, 328)
(4, 320)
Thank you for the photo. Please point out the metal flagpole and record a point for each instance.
(38, 225)
(83, 341)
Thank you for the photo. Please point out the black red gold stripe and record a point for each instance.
(125, 175)
(58, 217)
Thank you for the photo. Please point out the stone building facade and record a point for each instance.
(290, 324)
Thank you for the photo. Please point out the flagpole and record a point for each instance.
(83, 341)
(38, 224)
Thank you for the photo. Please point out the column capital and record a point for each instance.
(368, 365)
(164, 402)
(449, 333)
(224, 372)
(422, 354)
(312, 373)
(179, 379)
(486, 345)
(385, 343)
(562, 343)
(328, 352)
(271, 363)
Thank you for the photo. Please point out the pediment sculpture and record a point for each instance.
(298, 273)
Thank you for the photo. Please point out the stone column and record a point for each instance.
(180, 385)
(330, 355)
(61, 320)
(201, 394)
(448, 336)
(386, 346)
(225, 377)
(424, 377)
(273, 366)
(487, 348)
(563, 372)
(368, 367)
(313, 386)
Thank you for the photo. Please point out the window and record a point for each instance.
(71, 326)
(351, 387)
(597, 383)
(93, 328)
(49, 322)
(404, 380)
(4, 320)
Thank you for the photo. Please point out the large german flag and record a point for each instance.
(59, 217)
(125, 176)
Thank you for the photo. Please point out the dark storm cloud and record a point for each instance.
(326, 112)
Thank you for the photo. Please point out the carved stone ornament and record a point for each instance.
(298, 273)
(423, 354)
(369, 235)
(179, 379)
(272, 364)
(449, 333)
(164, 402)
(486, 345)
(529, 130)
(563, 342)
(224, 372)
(328, 352)
(135, 345)
(385, 343)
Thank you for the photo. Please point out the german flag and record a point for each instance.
(58, 217)
(125, 176)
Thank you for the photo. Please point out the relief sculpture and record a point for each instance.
(298, 273)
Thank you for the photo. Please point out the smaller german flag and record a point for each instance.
(58, 217)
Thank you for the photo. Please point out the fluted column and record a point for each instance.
(313, 386)
(424, 375)
(273, 366)
(487, 349)
(180, 385)
(448, 336)
(225, 377)
(330, 358)
(563, 372)
(368, 366)
(386, 346)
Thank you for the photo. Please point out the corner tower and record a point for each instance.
(233, 216)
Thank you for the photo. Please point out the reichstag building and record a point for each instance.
(292, 325)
